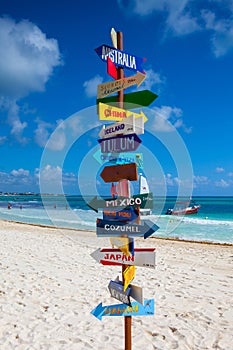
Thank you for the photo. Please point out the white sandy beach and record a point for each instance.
(49, 284)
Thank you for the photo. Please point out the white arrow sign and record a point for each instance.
(144, 257)
(130, 125)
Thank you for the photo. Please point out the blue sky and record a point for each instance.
(49, 71)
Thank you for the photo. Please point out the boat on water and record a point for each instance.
(143, 189)
(184, 208)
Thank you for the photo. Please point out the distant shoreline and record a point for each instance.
(93, 231)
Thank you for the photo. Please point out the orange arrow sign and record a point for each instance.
(111, 87)
(116, 173)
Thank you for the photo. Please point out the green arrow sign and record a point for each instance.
(132, 100)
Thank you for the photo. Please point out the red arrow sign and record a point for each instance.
(116, 173)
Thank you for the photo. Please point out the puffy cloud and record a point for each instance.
(152, 79)
(222, 183)
(222, 31)
(184, 17)
(219, 170)
(90, 86)
(200, 180)
(42, 132)
(27, 58)
(166, 118)
(20, 172)
(27, 61)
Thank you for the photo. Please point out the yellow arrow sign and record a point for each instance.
(129, 275)
(111, 87)
(112, 113)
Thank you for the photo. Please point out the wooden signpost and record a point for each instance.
(121, 215)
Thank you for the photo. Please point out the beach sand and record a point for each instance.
(50, 283)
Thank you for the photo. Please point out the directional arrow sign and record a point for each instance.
(130, 125)
(106, 228)
(117, 291)
(135, 309)
(116, 173)
(112, 113)
(120, 58)
(130, 214)
(144, 257)
(145, 201)
(111, 87)
(124, 143)
(119, 158)
(129, 275)
(132, 100)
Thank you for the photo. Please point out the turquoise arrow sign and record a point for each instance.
(119, 158)
(136, 309)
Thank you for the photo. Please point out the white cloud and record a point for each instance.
(152, 79)
(184, 17)
(27, 61)
(219, 170)
(222, 32)
(200, 180)
(20, 172)
(27, 58)
(41, 132)
(3, 139)
(230, 174)
(167, 118)
(90, 86)
(222, 183)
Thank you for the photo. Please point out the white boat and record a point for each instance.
(144, 188)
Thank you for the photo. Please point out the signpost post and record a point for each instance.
(121, 213)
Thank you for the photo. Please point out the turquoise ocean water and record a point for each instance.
(213, 222)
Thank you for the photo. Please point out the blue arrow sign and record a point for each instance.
(130, 214)
(116, 289)
(105, 228)
(135, 309)
(120, 58)
(123, 143)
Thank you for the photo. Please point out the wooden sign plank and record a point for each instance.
(130, 125)
(114, 113)
(105, 228)
(131, 100)
(116, 173)
(130, 214)
(117, 291)
(143, 257)
(144, 201)
(123, 143)
(112, 87)
(135, 309)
